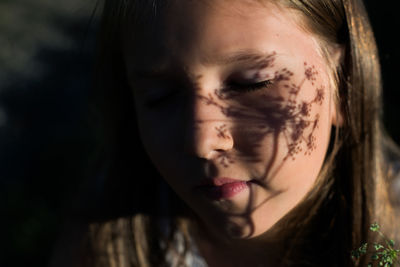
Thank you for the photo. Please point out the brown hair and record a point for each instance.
(333, 218)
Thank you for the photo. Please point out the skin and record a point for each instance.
(197, 124)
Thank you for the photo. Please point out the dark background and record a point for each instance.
(46, 54)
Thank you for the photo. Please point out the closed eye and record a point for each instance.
(239, 87)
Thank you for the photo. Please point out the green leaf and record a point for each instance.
(374, 227)
(378, 246)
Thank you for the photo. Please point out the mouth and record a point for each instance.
(222, 188)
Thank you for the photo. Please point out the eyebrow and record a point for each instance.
(156, 70)
(256, 57)
(239, 56)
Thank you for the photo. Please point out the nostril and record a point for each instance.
(223, 158)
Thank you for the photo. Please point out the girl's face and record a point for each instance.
(235, 108)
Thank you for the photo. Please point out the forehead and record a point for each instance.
(203, 30)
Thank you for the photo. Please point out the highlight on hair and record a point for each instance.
(350, 192)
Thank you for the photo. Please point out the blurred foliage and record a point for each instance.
(46, 59)
(27, 26)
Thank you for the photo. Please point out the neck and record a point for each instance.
(260, 251)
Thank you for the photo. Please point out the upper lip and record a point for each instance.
(219, 181)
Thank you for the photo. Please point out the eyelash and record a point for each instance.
(249, 87)
(235, 87)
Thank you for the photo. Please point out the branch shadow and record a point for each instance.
(277, 115)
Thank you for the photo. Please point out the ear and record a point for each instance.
(336, 53)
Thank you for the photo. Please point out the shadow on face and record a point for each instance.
(232, 91)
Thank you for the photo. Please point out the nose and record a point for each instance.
(209, 132)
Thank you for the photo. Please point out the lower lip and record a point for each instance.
(224, 191)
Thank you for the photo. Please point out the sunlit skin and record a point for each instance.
(200, 117)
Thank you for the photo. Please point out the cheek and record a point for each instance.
(300, 157)
(160, 133)
(284, 138)
(162, 141)
(292, 160)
